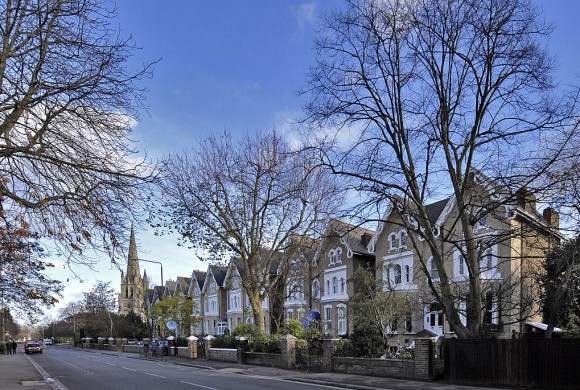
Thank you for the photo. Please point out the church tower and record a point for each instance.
(133, 286)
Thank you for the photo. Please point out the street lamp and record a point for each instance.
(156, 262)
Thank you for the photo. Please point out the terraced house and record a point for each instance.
(511, 240)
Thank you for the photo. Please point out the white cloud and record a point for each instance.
(305, 14)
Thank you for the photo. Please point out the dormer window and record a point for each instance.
(335, 256)
(403, 239)
(393, 241)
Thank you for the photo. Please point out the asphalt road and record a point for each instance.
(88, 371)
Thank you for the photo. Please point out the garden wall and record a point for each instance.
(223, 354)
(393, 368)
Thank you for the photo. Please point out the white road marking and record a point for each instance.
(201, 386)
(110, 364)
(159, 376)
(127, 368)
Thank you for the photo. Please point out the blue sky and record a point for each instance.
(237, 65)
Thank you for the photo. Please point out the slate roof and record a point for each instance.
(199, 277)
(351, 235)
(183, 283)
(434, 210)
(219, 273)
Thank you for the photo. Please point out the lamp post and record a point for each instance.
(156, 262)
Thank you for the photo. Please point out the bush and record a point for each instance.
(368, 344)
(293, 327)
(2, 349)
(345, 349)
(245, 330)
(224, 341)
(266, 343)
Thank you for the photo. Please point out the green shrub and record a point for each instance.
(345, 349)
(224, 341)
(245, 330)
(293, 327)
(266, 343)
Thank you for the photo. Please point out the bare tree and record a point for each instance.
(67, 105)
(247, 200)
(433, 93)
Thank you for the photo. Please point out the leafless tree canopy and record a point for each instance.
(246, 199)
(66, 106)
(435, 92)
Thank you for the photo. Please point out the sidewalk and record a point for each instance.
(18, 371)
(346, 381)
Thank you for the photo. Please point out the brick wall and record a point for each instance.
(393, 368)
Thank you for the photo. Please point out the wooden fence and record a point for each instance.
(527, 362)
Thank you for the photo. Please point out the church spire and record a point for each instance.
(133, 260)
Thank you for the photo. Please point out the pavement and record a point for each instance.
(18, 371)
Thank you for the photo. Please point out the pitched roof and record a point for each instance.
(183, 283)
(434, 210)
(219, 273)
(351, 235)
(199, 277)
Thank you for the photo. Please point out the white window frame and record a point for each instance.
(316, 288)
(341, 319)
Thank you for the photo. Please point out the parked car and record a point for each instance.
(32, 346)
(47, 341)
(132, 341)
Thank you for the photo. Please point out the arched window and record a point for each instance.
(403, 239)
(327, 287)
(316, 289)
(331, 256)
(433, 269)
(397, 274)
(339, 255)
(486, 260)
(393, 241)
(335, 285)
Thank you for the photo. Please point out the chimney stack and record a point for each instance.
(552, 217)
(365, 239)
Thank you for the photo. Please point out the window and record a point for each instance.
(327, 288)
(487, 260)
(491, 309)
(433, 269)
(338, 255)
(335, 285)
(341, 320)
(393, 241)
(461, 265)
(342, 285)
(331, 257)
(328, 319)
(397, 274)
(403, 239)
(409, 323)
(316, 289)
(407, 274)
